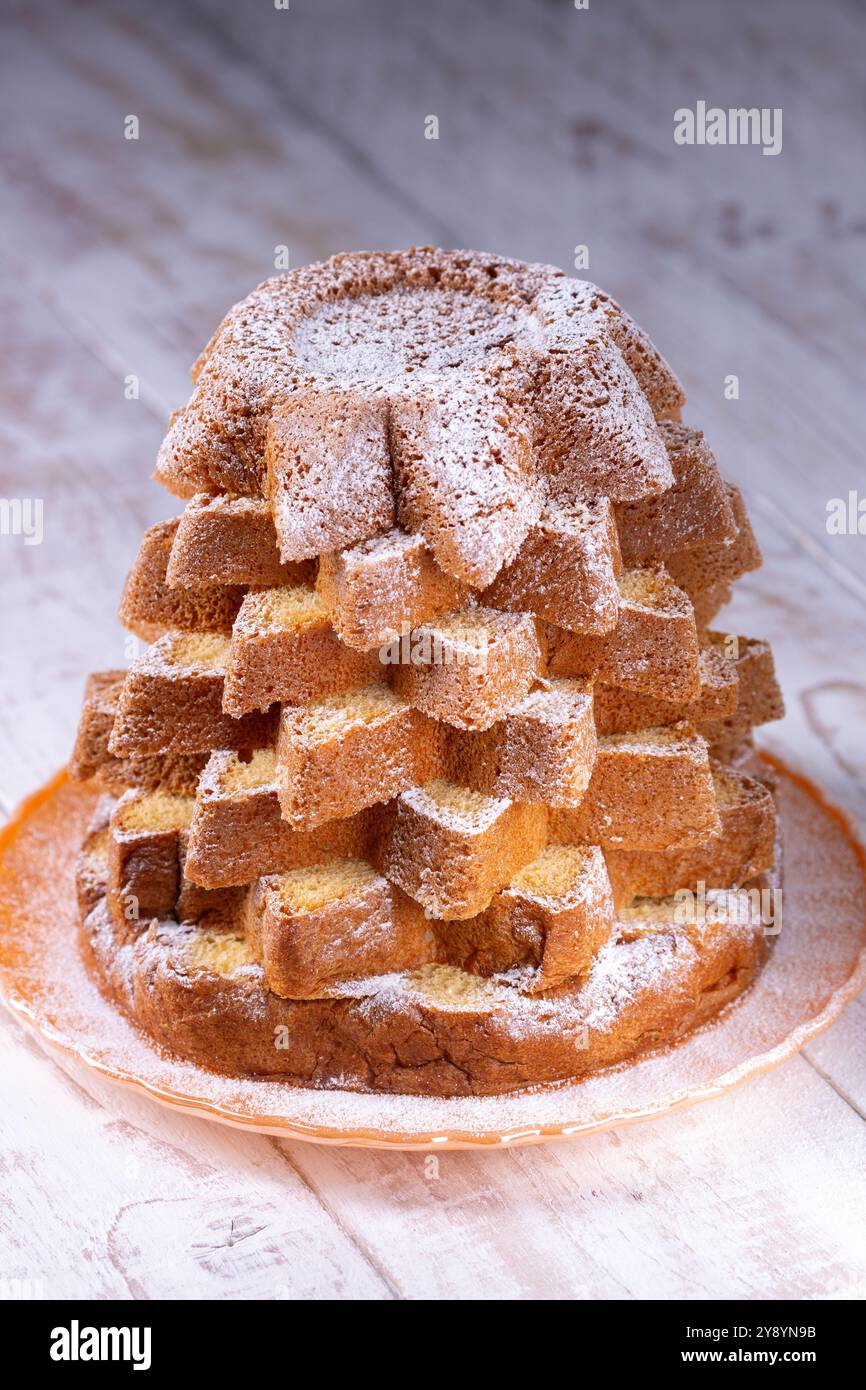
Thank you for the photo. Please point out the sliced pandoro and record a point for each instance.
(442, 989)
(222, 539)
(705, 572)
(468, 668)
(654, 647)
(451, 848)
(595, 430)
(344, 752)
(149, 607)
(466, 476)
(548, 924)
(566, 569)
(219, 906)
(384, 586)
(760, 699)
(542, 751)
(172, 701)
(707, 603)
(175, 773)
(283, 648)
(208, 950)
(144, 856)
(727, 921)
(317, 927)
(329, 475)
(743, 848)
(617, 710)
(96, 721)
(650, 789)
(238, 833)
(91, 867)
(695, 511)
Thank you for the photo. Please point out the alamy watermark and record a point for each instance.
(748, 907)
(846, 516)
(77, 1343)
(459, 645)
(22, 516)
(738, 125)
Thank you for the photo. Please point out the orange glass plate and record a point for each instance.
(818, 963)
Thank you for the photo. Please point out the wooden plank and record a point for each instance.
(729, 1200)
(556, 129)
(746, 1197)
(70, 439)
(108, 1196)
(219, 177)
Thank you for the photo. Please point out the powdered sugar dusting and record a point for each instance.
(816, 963)
(410, 338)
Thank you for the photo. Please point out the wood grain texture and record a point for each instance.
(306, 128)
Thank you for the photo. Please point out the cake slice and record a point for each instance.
(229, 540)
(468, 668)
(695, 511)
(742, 849)
(171, 701)
(321, 926)
(451, 848)
(759, 700)
(284, 649)
(342, 753)
(237, 832)
(651, 789)
(466, 477)
(547, 925)
(328, 471)
(566, 569)
(595, 429)
(707, 602)
(148, 607)
(542, 751)
(91, 867)
(654, 647)
(174, 773)
(618, 711)
(144, 856)
(383, 587)
(706, 571)
(210, 907)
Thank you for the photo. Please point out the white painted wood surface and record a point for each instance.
(306, 128)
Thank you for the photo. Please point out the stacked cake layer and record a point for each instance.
(433, 730)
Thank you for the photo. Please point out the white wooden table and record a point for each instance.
(305, 128)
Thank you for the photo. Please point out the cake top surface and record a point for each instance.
(490, 346)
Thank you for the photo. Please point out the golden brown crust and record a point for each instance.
(451, 849)
(470, 668)
(368, 928)
(650, 790)
(566, 569)
(149, 607)
(522, 337)
(645, 994)
(171, 702)
(284, 649)
(392, 873)
(743, 849)
(695, 511)
(175, 773)
(654, 648)
(383, 588)
(229, 540)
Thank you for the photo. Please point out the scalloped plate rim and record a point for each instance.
(288, 1127)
